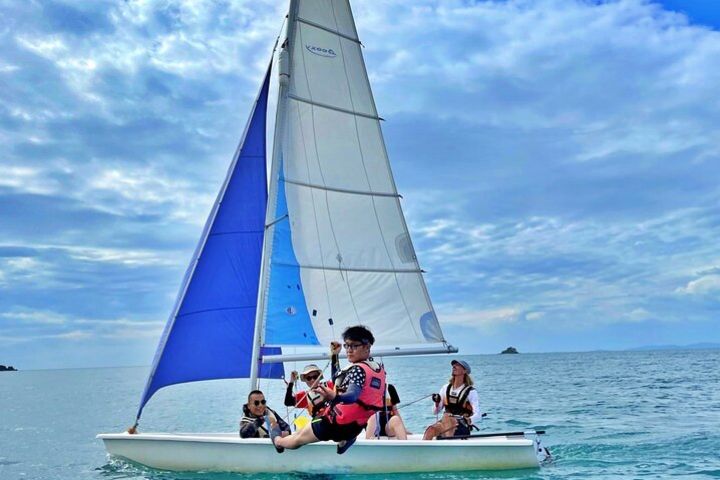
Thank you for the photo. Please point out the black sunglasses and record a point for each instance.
(312, 377)
(258, 402)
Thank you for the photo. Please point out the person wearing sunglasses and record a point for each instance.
(359, 392)
(308, 398)
(258, 418)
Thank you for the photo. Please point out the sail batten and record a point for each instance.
(355, 269)
(327, 29)
(332, 107)
(343, 190)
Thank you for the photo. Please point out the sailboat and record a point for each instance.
(291, 262)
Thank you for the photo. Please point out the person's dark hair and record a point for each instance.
(359, 333)
(255, 392)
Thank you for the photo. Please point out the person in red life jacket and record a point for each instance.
(308, 398)
(387, 422)
(459, 400)
(359, 392)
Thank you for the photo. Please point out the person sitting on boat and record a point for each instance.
(387, 422)
(258, 418)
(310, 399)
(459, 400)
(359, 392)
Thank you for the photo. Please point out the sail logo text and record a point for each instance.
(323, 52)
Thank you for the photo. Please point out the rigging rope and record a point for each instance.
(305, 392)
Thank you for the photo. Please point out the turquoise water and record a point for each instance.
(608, 414)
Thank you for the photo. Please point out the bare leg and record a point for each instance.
(396, 428)
(370, 427)
(444, 428)
(297, 439)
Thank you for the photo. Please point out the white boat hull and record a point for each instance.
(224, 452)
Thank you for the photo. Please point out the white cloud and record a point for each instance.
(126, 257)
(478, 318)
(75, 335)
(137, 190)
(143, 331)
(8, 68)
(72, 336)
(20, 269)
(27, 179)
(534, 316)
(706, 285)
(123, 328)
(36, 317)
(639, 315)
(50, 47)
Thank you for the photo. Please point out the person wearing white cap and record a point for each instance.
(311, 400)
(459, 400)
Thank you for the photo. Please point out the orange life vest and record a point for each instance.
(372, 397)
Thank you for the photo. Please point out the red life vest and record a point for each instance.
(372, 398)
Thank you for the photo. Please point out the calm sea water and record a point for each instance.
(607, 414)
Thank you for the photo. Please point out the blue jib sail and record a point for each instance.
(210, 334)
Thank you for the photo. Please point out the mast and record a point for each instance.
(275, 165)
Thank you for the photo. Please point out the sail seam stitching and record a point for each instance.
(237, 232)
(329, 30)
(243, 307)
(331, 107)
(341, 190)
(350, 269)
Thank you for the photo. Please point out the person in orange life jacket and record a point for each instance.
(258, 418)
(387, 422)
(359, 392)
(459, 399)
(312, 376)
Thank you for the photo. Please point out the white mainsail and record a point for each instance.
(337, 249)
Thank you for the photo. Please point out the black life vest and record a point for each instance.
(457, 404)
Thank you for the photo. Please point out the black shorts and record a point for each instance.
(324, 429)
(463, 428)
(383, 419)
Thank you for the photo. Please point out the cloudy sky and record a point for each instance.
(559, 162)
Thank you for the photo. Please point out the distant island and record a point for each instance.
(509, 350)
(3, 368)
